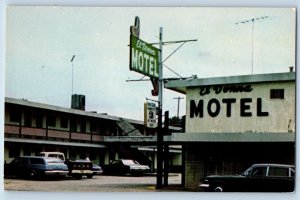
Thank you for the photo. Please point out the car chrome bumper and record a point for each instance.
(204, 185)
(56, 173)
(82, 172)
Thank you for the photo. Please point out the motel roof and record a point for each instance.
(181, 85)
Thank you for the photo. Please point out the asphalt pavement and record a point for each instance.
(101, 183)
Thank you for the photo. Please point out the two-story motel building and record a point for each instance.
(32, 127)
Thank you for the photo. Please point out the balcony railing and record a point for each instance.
(50, 134)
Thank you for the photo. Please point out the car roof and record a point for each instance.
(272, 165)
(31, 157)
(126, 159)
(40, 157)
(52, 152)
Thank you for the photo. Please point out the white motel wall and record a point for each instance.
(252, 111)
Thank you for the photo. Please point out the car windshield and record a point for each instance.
(129, 162)
(37, 161)
(246, 173)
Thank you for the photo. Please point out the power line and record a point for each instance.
(172, 71)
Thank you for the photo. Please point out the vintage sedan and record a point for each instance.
(97, 170)
(257, 178)
(35, 167)
(126, 166)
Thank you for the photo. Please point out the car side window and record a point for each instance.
(15, 161)
(24, 161)
(278, 171)
(115, 162)
(36, 161)
(259, 172)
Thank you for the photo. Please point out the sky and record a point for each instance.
(40, 42)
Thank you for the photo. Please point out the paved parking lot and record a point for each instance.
(100, 183)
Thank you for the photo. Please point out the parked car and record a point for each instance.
(77, 168)
(35, 167)
(97, 170)
(257, 178)
(126, 166)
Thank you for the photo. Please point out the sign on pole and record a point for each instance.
(143, 57)
(150, 115)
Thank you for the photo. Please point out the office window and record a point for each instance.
(277, 94)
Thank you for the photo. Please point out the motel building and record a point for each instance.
(32, 127)
(234, 122)
(230, 124)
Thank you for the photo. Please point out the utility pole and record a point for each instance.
(157, 79)
(178, 98)
(72, 72)
(160, 103)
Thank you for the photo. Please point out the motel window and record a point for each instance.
(73, 125)
(28, 118)
(93, 126)
(27, 151)
(277, 94)
(82, 126)
(15, 115)
(51, 120)
(72, 155)
(14, 152)
(39, 120)
(64, 122)
(92, 155)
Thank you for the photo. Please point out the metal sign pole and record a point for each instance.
(160, 103)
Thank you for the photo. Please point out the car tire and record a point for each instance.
(90, 176)
(218, 188)
(78, 176)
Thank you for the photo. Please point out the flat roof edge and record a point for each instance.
(257, 78)
(38, 105)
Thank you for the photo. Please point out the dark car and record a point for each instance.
(126, 166)
(257, 178)
(35, 167)
(97, 170)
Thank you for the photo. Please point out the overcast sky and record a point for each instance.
(42, 40)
